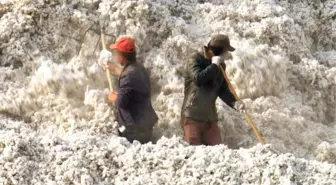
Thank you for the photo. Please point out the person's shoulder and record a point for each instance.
(134, 69)
(199, 53)
(196, 56)
(127, 71)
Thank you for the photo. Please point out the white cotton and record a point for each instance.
(104, 57)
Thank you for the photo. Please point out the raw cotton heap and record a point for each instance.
(57, 128)
(83, 159)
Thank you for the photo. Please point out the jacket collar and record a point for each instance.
(205, 53)
(128, 64)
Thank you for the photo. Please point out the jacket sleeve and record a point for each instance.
(125, 91)
(201, 76)
(225, 94)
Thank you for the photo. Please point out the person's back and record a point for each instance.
(139, 105)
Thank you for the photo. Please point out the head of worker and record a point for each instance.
(124, 51)
(219, 45)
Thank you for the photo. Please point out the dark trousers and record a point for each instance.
(198, 133)
(141, 133)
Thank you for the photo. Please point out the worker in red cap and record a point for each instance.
(135, 114)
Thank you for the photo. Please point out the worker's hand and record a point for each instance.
(104, 57)
(114, 69)
(218, 60)
(239, 106)
(112, 97)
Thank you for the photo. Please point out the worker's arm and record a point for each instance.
(225, 94)
(201, 76)
(125, 90)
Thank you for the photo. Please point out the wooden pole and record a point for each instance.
(247, 116)
(107, 70)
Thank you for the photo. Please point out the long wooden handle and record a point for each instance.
(247, 116)
(103, 38)
(254, 127)
(108, 74)
(107, 70)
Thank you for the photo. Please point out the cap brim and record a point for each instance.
(113, 46)
(231, 48)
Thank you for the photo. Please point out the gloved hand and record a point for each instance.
(218, 60)
(239, 106)
(104, 57)
(122, 129)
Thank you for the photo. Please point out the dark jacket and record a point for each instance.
(203, 84)
(134, 97)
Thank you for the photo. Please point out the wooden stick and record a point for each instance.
(247, 116)
(107, 70)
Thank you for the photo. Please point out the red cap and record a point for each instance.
(124, 44)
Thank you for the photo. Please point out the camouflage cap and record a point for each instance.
(222, 41)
